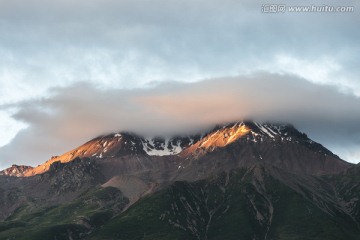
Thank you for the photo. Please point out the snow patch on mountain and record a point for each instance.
(162, 147)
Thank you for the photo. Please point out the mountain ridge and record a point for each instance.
(119, 144)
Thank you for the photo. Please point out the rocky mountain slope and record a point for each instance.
(15, 171)
(119, 145)
(242, 180)
(257, 202)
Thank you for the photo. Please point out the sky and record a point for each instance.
(73, 70)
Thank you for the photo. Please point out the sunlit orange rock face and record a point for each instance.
(220, 138)
(100, 147)
(224, 136)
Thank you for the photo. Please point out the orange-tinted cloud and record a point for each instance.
(80, 112)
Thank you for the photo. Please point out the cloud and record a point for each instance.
(127, 44)
(77, 113)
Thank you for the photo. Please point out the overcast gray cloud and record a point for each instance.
(80, 112)
(130, 43)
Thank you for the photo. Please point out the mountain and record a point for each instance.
(243, 180)
(278, 144)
